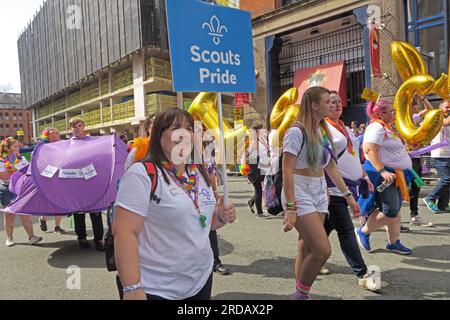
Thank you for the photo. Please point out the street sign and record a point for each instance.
(211, 47)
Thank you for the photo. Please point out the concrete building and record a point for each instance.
(291, 35)
(106, 61)
(15, 121)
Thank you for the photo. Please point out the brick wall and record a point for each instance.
(9, 125)
(258, 7)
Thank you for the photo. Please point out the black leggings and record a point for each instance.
(257, 197)
(203, 294)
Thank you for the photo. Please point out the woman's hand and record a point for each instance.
(227, 213)
(290, 219)
(354, 206)
(135, 295)
(388, 177)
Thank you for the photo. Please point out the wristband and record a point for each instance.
(133, 288)
(348, 194)
(381, 171)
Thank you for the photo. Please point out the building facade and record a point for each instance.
(292, 35)
(106, 61)
(15, 120)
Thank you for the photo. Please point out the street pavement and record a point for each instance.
(256, 250)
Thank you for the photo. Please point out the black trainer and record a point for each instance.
(43, 225)
(84, 244)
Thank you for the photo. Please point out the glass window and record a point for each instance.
(7, 127)
(1, 116)
(14, 116)
(16, 126)
(1, 128)
(7, 116)
(432, 40)
(427, 8)
(2, 137)
(20, 116)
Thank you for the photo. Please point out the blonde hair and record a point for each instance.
(313, 141)
(75, 120)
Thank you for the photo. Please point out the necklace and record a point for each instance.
(188, 184)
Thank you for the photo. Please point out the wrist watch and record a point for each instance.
(348, 194)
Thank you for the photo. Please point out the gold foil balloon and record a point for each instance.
(417, 85)
(441, 87)
(408, 60)
(203, 109)
(285, 113)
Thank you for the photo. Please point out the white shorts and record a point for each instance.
(310, 195)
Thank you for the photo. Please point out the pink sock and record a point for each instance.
(303, 288)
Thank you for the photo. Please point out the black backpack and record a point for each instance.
(109, 238)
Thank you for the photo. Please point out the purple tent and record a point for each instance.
(69, 176)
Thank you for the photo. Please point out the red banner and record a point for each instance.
(241, 100)
(374, 38)
(331, 76)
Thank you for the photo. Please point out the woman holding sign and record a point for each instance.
(10, 162)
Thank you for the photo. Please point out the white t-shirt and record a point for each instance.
(293, 144)
(349, 165)
(444, 152)
(392, 152)
(22, 163)
(175, 254)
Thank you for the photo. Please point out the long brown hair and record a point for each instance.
(164, 121)
(313, 143)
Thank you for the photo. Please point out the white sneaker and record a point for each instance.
(369, 282)
(10, 242)
(419, 221)
(324, 271)
(35, 240)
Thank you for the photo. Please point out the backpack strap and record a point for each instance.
(152, 173)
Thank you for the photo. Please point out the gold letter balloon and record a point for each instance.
(285, 113)
(413, 71)
(203, 109)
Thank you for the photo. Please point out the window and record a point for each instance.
(6, 128)
(1, 128)
(16, 127)
(428, 29)
(1, 116)
(15, 116)
(7, 116)
(20, 116)
(2, 137)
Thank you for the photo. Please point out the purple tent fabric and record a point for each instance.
(40, 195)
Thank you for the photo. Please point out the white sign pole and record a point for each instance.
(222, 147)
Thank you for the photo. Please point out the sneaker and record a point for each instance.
(324, 271)
(34, 240)
(300, 296)
(59, 230)
(99, 246)
(419, 221)
(369, 282)
(262, 215)
(10, 242)
(398, 248)
(404, 229)
(363, 239)
(220, 269)
(43, 225)
(84, 244)
(251, 205)
(431, 205)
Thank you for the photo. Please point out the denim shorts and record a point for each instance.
(389, 201)
(6, 196)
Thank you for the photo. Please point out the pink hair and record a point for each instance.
(374, 110)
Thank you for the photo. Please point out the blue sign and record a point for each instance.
(211, 47)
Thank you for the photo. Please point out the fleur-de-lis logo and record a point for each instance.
(216, 30)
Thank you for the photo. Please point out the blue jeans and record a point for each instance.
(389, 201)
(441, 191)
(340, 220)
